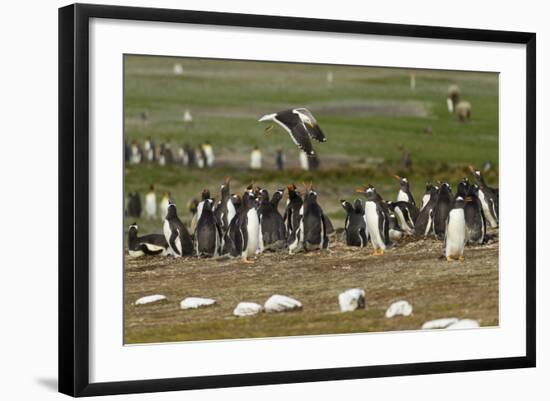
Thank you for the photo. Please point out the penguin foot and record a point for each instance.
(269, 129)
(461, 258)
(248, 261)
(449, 259)
(377, 252)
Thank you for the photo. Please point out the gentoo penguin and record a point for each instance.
(406, 214)
(133, 206)
(292, 213)
(152, 244)
(208, 234)
(488, 197)
(204, 196)
(404, 193)
(272, 226)
(300, 125)
(312, 228)
(242, 238)
(225, 211)
(424, 222)
(427, 195)
(455, 231)
(151, 203)
(177, 236)
(355, 227)
(462, 188)
(164, 202)
(395, 232)
(475, 220)
(441, 210)
(377, 216)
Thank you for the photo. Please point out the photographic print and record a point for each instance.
(268, 199)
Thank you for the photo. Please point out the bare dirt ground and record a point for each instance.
(411, 271)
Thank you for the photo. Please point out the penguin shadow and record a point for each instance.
(49, 383)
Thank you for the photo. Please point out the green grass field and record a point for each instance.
(366, 113)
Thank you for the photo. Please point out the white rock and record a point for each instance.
(247, 309)
(150, 299)
(440, 323)
(464, 324)
(281, 303)
(352, 299)
(194, 303)
(399, 308)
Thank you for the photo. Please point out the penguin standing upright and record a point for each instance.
(164, 203)
(204, 196)
(176, 234)
(377, 216)
(244, 230)
(475, 219)
(152, 244)
(272, 226)
(225, 211)
(312, 228)
(404, 194)
(424, 222)
(455, 231)
(441, 210)
(208, 234)
(488, 197)
(151, 203)
(292, 213)
(355, 227)
(133, 207)
(463, 187)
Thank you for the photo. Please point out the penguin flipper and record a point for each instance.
(172, 241)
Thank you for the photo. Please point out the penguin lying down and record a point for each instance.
(152, 244)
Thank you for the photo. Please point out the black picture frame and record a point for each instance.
(74, 198)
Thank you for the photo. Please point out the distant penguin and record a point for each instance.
(427, 195)
(355, 227)
(312, 228)
(163, 207)
(455, 232)
(133, 206)
(423, 225)
(272, 226)
(208, 234)
(176, 234)
(404, 194)
(462, 188)
(406, 214)
(292, 213)
(256, 159)
(488, 197)
(152, 244)
(225, 211)
(475, 220)
(151, 203)
(242, 238)
(377, 216)
(441, 210)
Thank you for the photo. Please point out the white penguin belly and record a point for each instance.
(425, 200)
(230, 211)
(253, 231)
(167, 234)
(456, 233)
(402, 196)
(486, 210)
(372, 225)
(402, 222)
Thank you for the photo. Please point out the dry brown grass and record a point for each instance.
(411, 271)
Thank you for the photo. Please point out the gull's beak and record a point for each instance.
(267, 117)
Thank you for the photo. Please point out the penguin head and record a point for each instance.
(171, 211)
(277, 196)
(208, 205)
(205, 194)
(358, 206)
(224, 189)
(346, 206)
(263, 195)
(403, 182)
(370, 192)
(459, 202)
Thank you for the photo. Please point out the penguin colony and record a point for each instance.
(246, 224)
